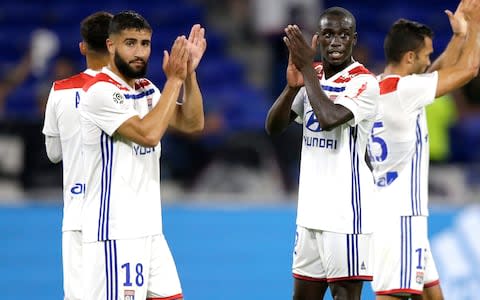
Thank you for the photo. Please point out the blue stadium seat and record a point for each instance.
(220, 71)
(22, 103)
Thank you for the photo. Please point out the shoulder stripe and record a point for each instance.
(142, 83)
(74, 82)
(102, 77)
(389, 85)
(359, 70)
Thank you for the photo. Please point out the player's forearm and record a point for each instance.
(279, 115)
(329, 115)
(467, 66)
(189, 117)
(53, 146)
(155, 123)
(470, 56)
(450, 55)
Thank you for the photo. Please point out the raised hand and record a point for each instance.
(457, 20)
(301, 53)
(197, 44)
(175, 63)
(471, 10)
(294, 76)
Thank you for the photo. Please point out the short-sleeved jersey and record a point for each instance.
(122, 198)
(399, 146)
(336, 185)
(62, 120)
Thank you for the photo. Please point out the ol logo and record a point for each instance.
(118, 98)
(312, 122)
(419, 277)
(129, 295)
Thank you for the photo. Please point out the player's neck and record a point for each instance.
(96, 63)
(399, 70)
(129, 81)
(330, 70)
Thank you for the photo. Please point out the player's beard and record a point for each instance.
(127, 71)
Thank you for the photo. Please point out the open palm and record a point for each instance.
(197, 44)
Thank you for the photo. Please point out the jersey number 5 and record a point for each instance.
(381, 142)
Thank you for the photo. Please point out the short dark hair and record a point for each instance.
(128, 20)
(94, 31)
(404, 36)
(339, 11)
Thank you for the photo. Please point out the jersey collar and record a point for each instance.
(342, 72)
(91, 72)
(117, 78)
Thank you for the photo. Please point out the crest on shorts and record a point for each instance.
(129, 295)
(118, 98)
(419, 278)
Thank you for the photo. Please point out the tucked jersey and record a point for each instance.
(62, 119)
(399, 146)
(336, 185)
(122, 198)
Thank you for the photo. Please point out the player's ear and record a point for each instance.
(410, 57)
(110, 46)
(83, 48)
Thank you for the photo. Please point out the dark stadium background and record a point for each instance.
(230, 194)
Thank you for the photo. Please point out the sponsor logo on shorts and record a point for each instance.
(129, 295)
(363, 267)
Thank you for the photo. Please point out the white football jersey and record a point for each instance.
(399, 146)
(336, 186)
(62, 120)
(122, 198)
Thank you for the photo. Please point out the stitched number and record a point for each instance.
(419, 266)
(138, 277)
(127, 274)
(380, 141)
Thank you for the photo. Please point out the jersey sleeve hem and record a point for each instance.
(118, 122)
(351, 106)
(50, 133)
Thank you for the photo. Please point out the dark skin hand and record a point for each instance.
(329, 114)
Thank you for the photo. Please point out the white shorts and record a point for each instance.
(329, 256)
(403, 263)
(130, 269)
(72, 264)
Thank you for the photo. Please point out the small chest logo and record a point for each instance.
(149, 103)
(118, 98)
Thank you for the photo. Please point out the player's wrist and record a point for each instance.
(191, 76)
(174, 80)
(459, 35)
